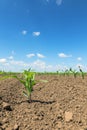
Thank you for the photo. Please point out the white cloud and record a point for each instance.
(10, 58)
(49, 67)
(62, 55)
(6, 64)
(24, 32)
(59, 2)
(3, 60)
(36, 33)
(58, 67)
(38, 65)
(30, 55)
(18, 63)
(40, 55)
(15, 66)
(79, 58)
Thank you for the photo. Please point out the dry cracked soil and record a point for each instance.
(59, 104)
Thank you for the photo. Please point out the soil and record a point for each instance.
(59, 104)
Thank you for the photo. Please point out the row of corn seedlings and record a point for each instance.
(67, 72)
(27, 78)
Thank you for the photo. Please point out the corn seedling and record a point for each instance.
(74, 72)
(28, 80)
(82, 73)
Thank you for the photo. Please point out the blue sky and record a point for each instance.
(47, 35)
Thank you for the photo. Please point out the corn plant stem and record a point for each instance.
(29, 98)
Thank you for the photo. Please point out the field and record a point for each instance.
(59, 104)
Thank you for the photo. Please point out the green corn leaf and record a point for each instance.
(44, 81)
(25, 94)
(5, 77)
(22, 81)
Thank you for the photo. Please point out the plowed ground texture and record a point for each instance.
(59, 104)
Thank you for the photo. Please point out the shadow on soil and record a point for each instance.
(43, 102)
(39, 101)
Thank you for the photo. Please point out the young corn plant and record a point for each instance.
(82, 73)
(28, 80)
(74, 72)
